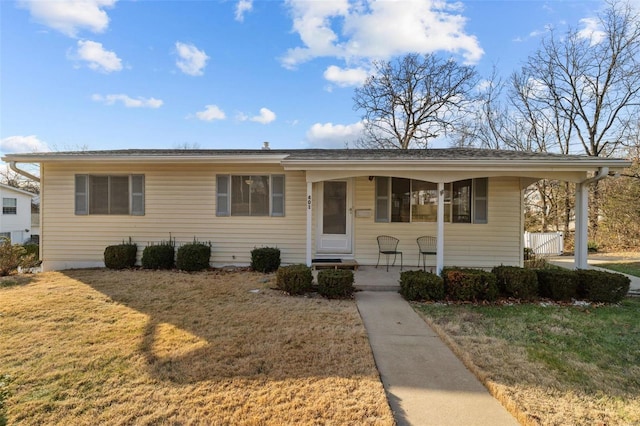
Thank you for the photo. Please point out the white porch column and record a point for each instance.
(581, 237)
(309, 212)
(440, 234)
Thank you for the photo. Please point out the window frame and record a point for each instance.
(475, 200)
(136, 200)
(6, 209)
(224, 195)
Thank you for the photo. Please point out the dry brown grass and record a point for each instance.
(142, 347)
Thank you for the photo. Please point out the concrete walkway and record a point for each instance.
(426, 384)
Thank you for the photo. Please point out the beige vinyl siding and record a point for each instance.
(179, 200)
(471, 245)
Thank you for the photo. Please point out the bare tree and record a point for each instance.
(592, 79)
(412, 100)
(11, 178)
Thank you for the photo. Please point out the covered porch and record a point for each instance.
(507, 173)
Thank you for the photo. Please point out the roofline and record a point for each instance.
(287, 158)
(125, 158)
(446, 164)
(22, 191)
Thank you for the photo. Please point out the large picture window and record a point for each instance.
(109, 195)
(9, 206)
(410, 200)
(250, 195)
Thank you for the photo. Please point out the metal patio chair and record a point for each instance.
(388, 246)
(426, 246)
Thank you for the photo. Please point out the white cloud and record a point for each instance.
(128, 101)
(70, 16)
(242, 7)
(22, 144)
(191, 60)
(210, 113)
(329, 135)
(345, 77)
(365, 29)
(591, 31)
(266, 116)
(97, 57)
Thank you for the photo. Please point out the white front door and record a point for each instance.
(334, 220)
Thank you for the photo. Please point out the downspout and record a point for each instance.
(582, 212)
(12, 166)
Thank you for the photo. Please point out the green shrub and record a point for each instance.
(470, 284)
(516, 282)
(193, 257)
(557, 284)
(14, 256)
(160, 256)
(601, 286)
(421, 285)
(294, 279)
(120, 256)
(265, 259)
(335, 284)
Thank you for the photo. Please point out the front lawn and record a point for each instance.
(147, 347)
(552, 365)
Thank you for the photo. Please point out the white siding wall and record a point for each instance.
(471, 245)
(180, 200)
(16, 224)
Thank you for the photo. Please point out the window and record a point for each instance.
(9, 206)
(410, 200)
(110, 195)
(250, 195)
(4, 235)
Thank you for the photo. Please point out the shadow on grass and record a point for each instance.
(214, 325)
(16, 280)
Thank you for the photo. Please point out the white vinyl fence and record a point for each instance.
(545, 243)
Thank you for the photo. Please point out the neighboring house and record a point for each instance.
(309, 203)
(15, 217)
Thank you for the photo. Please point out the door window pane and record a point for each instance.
(334, 212)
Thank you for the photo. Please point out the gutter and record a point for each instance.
(602, 173)
(12, 166)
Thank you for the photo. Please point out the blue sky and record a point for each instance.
(222, 74)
